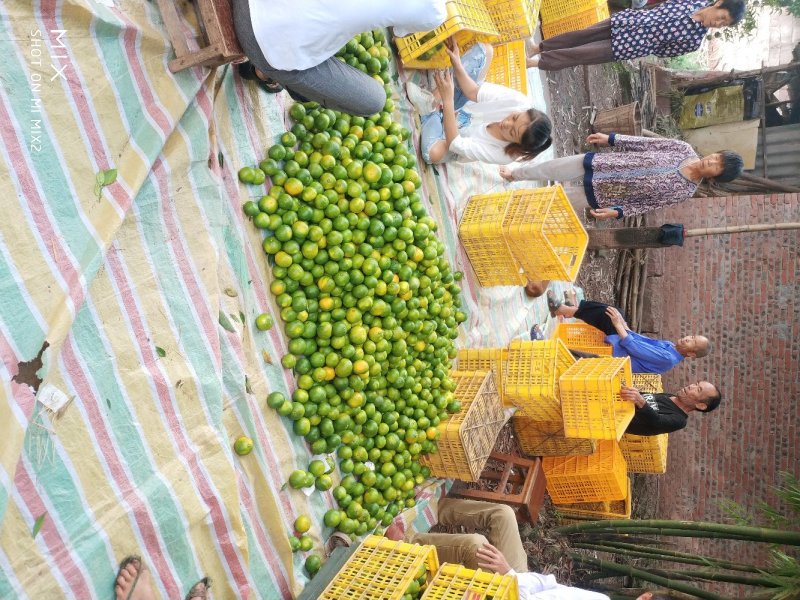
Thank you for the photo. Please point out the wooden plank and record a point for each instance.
(174, 27)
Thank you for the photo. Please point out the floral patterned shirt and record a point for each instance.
(666, 30)
(640, 175)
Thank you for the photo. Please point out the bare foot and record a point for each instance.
(534, 289)
(571, 297)
(133, 582)
(532, 62)
(533, 49)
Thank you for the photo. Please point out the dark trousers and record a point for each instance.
(589, 46)
(594, 313)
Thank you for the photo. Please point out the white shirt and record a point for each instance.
(535, 586)
(474, 142)
(300, 34)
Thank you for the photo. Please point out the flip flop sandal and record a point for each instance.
(247, 71)
(553, 303)
(337, 540)
(125, 562)
(199, 589)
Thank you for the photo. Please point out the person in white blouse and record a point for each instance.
(500, 550)
(294, 42)
(479, 121)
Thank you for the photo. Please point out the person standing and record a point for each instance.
(672, 28)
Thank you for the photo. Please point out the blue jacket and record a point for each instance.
(647, 355)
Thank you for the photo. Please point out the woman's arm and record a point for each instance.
(468, 86)
(444, 83)
(634, 143)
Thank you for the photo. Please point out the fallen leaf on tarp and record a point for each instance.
(161, 352)
(231, 292)
(102, 179)
(109, 176)
(226, 322)
(267, 358)
(38, 524)
(247, 387)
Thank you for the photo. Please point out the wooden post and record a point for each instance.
(648, 237)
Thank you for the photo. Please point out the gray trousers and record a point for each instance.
(332, 83)
(589, 46)
(562, 170)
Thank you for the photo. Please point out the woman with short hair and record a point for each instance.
(672, 28)
(640, 175)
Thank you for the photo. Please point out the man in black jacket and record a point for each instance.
(664, 413)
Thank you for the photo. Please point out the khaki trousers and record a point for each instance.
(460, 548)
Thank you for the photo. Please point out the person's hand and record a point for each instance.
(444, 83)
(451, 47)
(632, 395)
(601, 139)
(492, 559)
(603, 214)
(616, 318)
(506, 173)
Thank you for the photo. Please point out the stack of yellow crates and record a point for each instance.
(561, 16)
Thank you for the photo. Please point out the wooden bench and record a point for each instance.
(520, 484)
(217, 43)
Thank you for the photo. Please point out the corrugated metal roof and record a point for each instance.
(783, 154)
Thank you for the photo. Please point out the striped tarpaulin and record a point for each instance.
(120, 290)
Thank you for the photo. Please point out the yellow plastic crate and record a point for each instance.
(467, 20)
(595, 478)
(514, 19)
(381, 569)
(532, 377)
(591, 404)
(486, 359)
(544, 234)
(481, 234)
(508, 67)
(648, 382)
(467, 438)
(579, 20)
(543, 438)
(554, 10)
(645, 453)
(453, 582)
(583, 337)
(617, 509)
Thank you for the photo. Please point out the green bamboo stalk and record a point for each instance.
(694, 575)
(646, 576)
(670, 556)
(718, 530)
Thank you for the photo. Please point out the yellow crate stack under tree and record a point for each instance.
(481, 234)
(599, 477)
(486, 359)
(597, 11)
(452, 582)
(591, 404)
(544, 234)
(382, 569)
(583, 337)
(508, 67)
(546, 438)
(617, 509)
(514, 19)
(532, 377)
(468, 20)
(467, 438)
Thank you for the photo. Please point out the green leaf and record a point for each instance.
(108, 402)
(226, 322)
(161, 352)
(241, 316)
(247, 387)
(38, 524)
(220, 159)
(109, 176)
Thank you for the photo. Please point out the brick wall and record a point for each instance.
(741, 291)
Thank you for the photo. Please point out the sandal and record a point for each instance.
(199, 589)
(248, 71)
(132, 559)
(553, 303)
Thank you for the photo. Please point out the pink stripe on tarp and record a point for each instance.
(59, 548)
(52, 242)
(175, 425)
(266, 545)
(154, 545)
